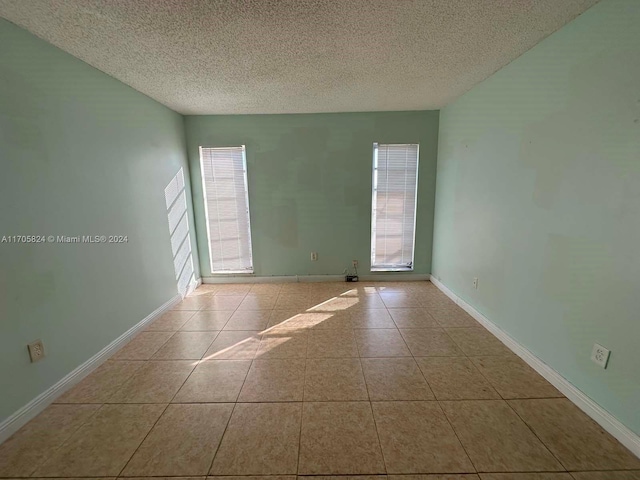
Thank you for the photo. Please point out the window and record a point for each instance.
(393, 216)
(226, 203)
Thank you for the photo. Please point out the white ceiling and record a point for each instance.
(295, 56)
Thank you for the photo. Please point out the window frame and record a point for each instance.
(206, 212)
(374, 184)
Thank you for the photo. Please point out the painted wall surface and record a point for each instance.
(538, 195)
(80, 154)
(309, 182)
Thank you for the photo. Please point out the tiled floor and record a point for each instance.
(317, 379)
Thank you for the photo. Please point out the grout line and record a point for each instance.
(375, 424)
(229, 419)
(352, 329)
(304, 388)
(172, 398)
(536, 435)
(145, 437)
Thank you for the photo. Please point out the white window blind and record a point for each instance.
(224, 178)
(393, 216)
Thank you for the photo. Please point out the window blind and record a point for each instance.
(224, 178)
(393, 216)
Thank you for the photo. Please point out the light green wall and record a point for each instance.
(310, 184)
(80, 153)
(538, 195)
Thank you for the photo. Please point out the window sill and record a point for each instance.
(392, 269)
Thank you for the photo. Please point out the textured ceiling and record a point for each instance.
(295, 56)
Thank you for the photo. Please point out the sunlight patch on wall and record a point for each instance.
(176, 200)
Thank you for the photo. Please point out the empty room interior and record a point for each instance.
(280, 239)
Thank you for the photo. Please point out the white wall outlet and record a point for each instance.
(354, 263)
(475, 282)
(600, 355)
(314, 256)
(36, 350)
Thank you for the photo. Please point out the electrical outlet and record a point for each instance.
(354, 263)
(600, 355)
(314, 256)
(475, 282)
(36, 350)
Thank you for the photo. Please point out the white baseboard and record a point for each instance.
(605, 419)
(14, 422)
(380, 277)
(395, 277)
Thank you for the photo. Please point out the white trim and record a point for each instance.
(193, 285)
(395, 277)
(380, 277)
(14, 422)
(606, 420)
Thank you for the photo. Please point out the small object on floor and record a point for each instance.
(351, 278)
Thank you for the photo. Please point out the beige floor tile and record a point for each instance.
(477, 341)
(400, 300)
(339, 438)
(274, 380)
(233, 345)
(408, 430)
(170, 321)
(610, 475)
(258, 302)
(292, 319)
(342, 477)
(143, 346)
(265, 288)
(155, 478)
(462, 476)
(334, 379)
(496, 439)
(455, 378)
(525, 476)
(214, 381)
(37, 440)
(381, 342)
(412, 318)
(223, 302)
(450, 315)
(253, 477)
(371, 318)
(575, 439)
(238, 289)
(154, 382)
(185, 346)
(290, 288)
(78, 478)
(101, 383)
(207, 320)
(183, 441)
(283, 343)
(194, 302)
(395, 379)
(204, 289)
(103, 445)
(334, 320)
(300, 302)
(248, 320)
(331, 343)
(261, 439)
(430, 342)
(335, 304)
(513, 378)
(369, 302)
